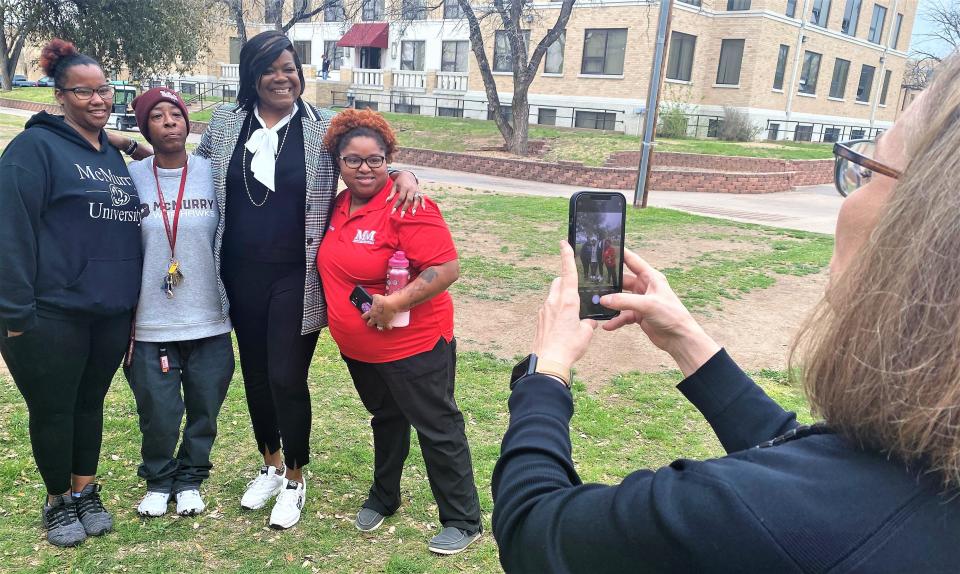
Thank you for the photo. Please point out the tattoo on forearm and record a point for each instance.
(429, 275)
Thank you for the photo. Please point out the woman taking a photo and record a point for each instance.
(274, 183)
(69, 216)
(403, 374)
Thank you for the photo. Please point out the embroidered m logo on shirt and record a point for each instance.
(364, 237)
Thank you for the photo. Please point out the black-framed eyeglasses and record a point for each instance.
(84, 93)
(355, 161)
(855, 165)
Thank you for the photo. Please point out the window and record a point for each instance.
(680, 61)
(820, 13)
(303, 7)
(553, 59)
(595, 120)
(731, 54)
(506, 112)
(691, 2)
(333, 11)
(452, 11)
(604, 51)
(738, 5)
(809, 73)
(856, 134)
(366, 105)
(271, 10)
(791, 8)
(876, 24)
(713, 127)
(773, 131)
(372, 10)
(235, 46)
(188, 88)
(803, 134)
(502, 54)
(851, 13)
(781, 67)
(838, 85)
(897, 23)
(411, 55)
(413, 10)
(831, 134)
(334, 54)
(547, 117)
(886, 87)
(406, 108)
(866, 83)
(304, 50)
(445, 112)
(453, 56)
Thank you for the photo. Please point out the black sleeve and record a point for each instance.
(741, 414)
(21, 201)
(677, 519)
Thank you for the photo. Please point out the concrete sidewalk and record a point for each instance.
(812, 208)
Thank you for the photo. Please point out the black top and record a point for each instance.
(274, 232)
(812, 504)
(69, 227)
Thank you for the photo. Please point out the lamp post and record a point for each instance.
(653, 104)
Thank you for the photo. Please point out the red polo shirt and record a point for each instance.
(355, 251)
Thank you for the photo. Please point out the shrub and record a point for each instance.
(673, 121)
(736, 126)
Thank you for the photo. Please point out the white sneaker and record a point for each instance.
(261, 489)
(154, 504)
(189, 502)
(286, 512)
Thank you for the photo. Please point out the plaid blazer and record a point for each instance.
(218, 144)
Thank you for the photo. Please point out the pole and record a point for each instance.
(883, 70)
(653, 104)
(798, 53)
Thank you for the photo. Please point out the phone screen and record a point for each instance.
(596, 231)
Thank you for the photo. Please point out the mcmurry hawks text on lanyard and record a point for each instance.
(174, 276)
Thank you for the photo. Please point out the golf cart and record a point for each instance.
(121, 114)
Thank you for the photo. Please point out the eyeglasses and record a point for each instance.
(354, 161)
(855, 165)
(105, 92)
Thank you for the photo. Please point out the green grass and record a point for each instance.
(39, 95)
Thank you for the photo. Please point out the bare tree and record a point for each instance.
(301, 10)
(918, 73)
(16, 26)
(510, 16)
(945, 18)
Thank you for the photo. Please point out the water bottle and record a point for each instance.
(398, 274)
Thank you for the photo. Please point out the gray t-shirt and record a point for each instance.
(195, 311)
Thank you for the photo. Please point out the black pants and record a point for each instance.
(266, 307)
(203, 369)
(418, 391)
(63, 369)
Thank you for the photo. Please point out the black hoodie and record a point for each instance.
(69, 227)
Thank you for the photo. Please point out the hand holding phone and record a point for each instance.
(596, 230)
(361, 299)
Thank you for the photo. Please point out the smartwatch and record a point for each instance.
(531, 365)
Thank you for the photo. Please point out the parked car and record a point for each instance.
(21, 81)
(45, 82)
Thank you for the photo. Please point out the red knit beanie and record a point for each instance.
(146, 101)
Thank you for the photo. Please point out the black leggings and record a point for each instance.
(63, 369)
(266, 307)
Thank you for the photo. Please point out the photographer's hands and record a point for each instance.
(654, 306)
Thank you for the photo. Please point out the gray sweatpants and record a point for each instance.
(202, 368)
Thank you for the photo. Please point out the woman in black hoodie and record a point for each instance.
(69, 217)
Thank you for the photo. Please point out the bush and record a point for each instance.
(736, 126)
(673, 121)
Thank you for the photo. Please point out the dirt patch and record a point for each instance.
(756, 330)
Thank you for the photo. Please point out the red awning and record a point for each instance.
(373, 35)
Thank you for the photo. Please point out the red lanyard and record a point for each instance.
(171, 235)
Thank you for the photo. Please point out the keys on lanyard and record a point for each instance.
(174, 275)
(173, 278)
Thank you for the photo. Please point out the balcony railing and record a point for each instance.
(368, 77)
(231, 71)
(452, 81)
(409, 80)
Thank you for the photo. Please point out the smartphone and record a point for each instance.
(361, 299)
(596, 230)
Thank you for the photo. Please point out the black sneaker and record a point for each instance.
(93, 516)
(368, 520)
(452, 540)
(60, 519)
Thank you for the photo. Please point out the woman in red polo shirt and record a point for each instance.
(404, 375)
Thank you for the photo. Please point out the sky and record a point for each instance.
(923, 26)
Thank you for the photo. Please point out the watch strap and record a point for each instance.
(554, 369)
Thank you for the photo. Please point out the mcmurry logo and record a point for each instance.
(364, 237)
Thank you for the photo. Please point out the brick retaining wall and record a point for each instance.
(806, 171)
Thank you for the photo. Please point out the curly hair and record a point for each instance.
(58, 56)
(351, 123)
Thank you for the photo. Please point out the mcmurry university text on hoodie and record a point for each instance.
(69, 227)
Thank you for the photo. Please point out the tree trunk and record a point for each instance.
(6, 77)
(519, 143)
(235, 7)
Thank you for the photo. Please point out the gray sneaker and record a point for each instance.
(368, 520)
(60, 520)
(452, 540)
(93, 516)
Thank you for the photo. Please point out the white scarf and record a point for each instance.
(263, 145)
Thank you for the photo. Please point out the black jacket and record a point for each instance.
(69, 226)
(813, 504)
